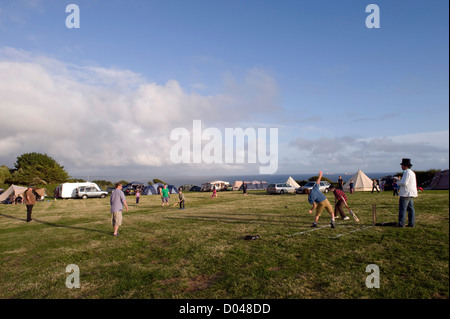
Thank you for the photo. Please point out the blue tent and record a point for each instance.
(154, 189)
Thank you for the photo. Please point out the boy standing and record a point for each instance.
(351, 186)
(165, 196)
(181, 198)
(319, 202)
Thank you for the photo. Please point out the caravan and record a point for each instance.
(69, 190)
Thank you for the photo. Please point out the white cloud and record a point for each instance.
(89, 116)
(427, 150)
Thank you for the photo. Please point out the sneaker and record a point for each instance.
(333, 225)
(346, 218)
(314, 225)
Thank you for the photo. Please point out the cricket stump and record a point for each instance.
(374, 214)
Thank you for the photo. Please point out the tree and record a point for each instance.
(157, 180)
(5, 174)
(37, 168)
(314, 178)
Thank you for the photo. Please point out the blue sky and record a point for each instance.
(342, 96)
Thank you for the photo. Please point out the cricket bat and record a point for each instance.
(352, 213)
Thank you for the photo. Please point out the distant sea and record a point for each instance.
(198, 180)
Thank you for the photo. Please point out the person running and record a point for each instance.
(319, 202)
(375, 186)
(340, 201)
(214, 194)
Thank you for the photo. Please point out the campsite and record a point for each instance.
(201, 252)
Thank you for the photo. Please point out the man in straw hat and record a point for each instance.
(407, 191)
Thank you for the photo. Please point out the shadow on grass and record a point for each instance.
(58, 225)
(231, 219)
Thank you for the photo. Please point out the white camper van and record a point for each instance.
(69, 190)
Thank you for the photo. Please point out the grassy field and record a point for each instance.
(200, 253)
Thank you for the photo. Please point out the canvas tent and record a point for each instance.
(440, 180)
(237, 185)
(361, 182)
(292, 182)
(12, 190)
(19, 190)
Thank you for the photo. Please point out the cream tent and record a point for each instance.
(361, 182)
(237, 185)
(292, 182)
(12, 190)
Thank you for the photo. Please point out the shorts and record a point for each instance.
(324, 204)
(165, 199)
(116, 218)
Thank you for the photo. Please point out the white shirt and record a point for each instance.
(408, 184)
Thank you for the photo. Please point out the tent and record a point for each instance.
(361, 182)
(195, 189)
(253, 185)
(237, 185)
(12, 190)
(292, 182)
(154, 189)
(440, 180)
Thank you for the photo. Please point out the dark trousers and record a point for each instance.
(182, 204)
(339, 207)
(29, 211)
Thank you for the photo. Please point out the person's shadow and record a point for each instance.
(57, 225)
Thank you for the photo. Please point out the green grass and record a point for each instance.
(200, 252)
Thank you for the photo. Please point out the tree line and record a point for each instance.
(33, 169)
(41, 169)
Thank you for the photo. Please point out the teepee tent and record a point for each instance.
(361, 182)
(440, 180)
(237, 185)
(12, 190)
(292, 182)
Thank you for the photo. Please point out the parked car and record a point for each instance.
(280, 188)
(128, 190)
(324, 187)
(90, 192)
